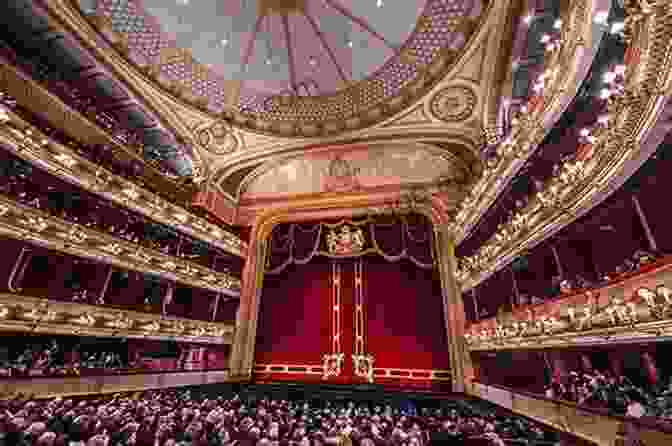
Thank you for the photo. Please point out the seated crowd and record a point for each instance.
(618, 394)
(640, 259)
(158, 418)
(53, 360)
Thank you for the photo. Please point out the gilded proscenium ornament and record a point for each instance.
(529, 130)
(27, 142)
(26, 313)
(24, 222)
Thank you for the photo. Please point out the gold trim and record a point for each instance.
(38, 227)
(638, 309)
(27, 142)
(19, 313)
(160, 96)
(566, 194)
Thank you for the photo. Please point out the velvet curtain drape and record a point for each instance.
(393, 238)
(403, 308)
(405, 323)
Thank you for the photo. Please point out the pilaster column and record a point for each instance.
(462, 372)
(242, 352)
(558, 264)
(653, 246)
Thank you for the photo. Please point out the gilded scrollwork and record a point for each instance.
(19, 313)
(217, 137)
(454, 103)
(643, 313)
(86, 242)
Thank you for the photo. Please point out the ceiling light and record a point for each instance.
(617, 27)
(4, 114)
(131, 193)
(349, 43)
(224, 42)
(379, 3)
(66, 160)
(601, 17)
(528, 19)
(609, 77)
(557, 24)
(183, 2)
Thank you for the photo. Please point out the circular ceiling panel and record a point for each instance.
(293, 67)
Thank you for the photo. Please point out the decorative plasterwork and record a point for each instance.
(27, 142)
(636, 310)
(35, 315)
(35, 226)
(567, 68)
(453, 104)
(569, 194)
(363, 167)
(400, 82)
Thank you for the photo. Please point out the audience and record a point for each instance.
(54, 360)
(618, 394)
(178, 418)
(37, 358)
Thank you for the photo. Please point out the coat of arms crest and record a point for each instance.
(346, 241)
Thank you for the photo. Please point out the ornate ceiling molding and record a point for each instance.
(571, 193)
(238, 144)
(20, 313)
(416, 68)
(566, 67)
(433, 120)
(29, 143)
(38, 227)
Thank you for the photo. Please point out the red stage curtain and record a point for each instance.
(294, 319)
(404, 315)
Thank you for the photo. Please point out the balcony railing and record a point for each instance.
(633, 306)
(591, 424)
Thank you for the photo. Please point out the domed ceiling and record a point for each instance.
(291, 67)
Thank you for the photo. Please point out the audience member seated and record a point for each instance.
(618, 394)
(54, 360)
(176, 418)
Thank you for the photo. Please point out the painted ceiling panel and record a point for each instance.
(370, 167)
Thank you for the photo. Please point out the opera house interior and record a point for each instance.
(335, 222)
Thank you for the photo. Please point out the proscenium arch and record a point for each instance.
(242, 356)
